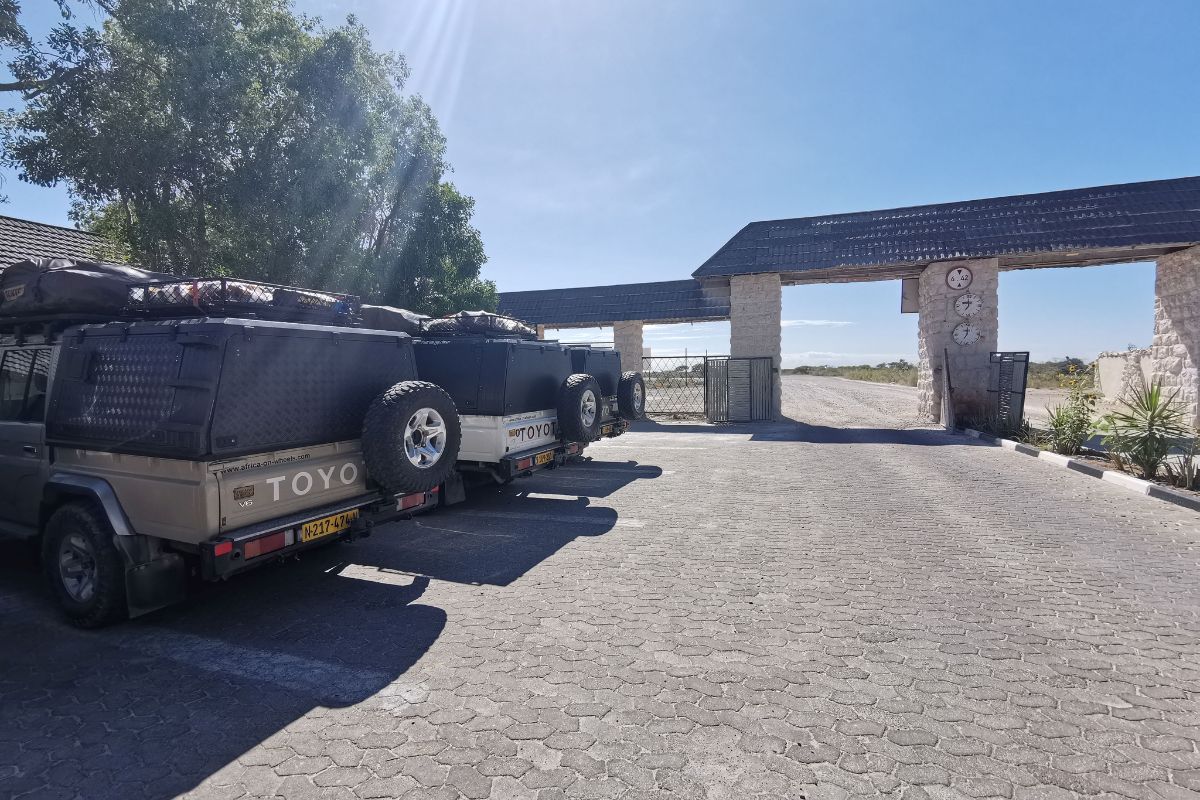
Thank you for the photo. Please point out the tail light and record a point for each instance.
(411, 501)
(265, 544)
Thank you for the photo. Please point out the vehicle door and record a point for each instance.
(24, 465)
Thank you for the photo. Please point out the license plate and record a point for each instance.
(606, 430)
(327, 525)
(544, 458)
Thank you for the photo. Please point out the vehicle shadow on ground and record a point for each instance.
(504, 531)
(792, 430)
(152, 707)
(155, 706)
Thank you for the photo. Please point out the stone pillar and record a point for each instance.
(755, 327)
(627, 340)
(969, 367)
(541, 333)
(1175, 351)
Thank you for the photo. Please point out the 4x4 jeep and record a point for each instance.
(153, 427)
(200, 428)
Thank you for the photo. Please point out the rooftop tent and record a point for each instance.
(39, 286)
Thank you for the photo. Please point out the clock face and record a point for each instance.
(968, 305)
(966, 333)
(958, 278)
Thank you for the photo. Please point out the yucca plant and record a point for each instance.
(1146, 429)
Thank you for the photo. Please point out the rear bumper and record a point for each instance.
(250, 547)
(521, 464)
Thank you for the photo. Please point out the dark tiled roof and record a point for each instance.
(666, 301)
(1069, 227)
(21, 239)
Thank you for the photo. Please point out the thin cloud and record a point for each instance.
(798, 323)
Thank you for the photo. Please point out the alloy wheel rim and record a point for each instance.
(587, 408)
(77, 567)
(425, 438)
(638, 397)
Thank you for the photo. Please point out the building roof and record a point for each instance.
(21, 239)
(665, 301)
(1077, 227)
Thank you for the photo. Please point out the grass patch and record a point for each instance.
(1042, 374)
(900, 372)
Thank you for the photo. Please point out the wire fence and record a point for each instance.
(674, 384)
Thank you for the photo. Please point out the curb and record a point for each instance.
(1112, 476)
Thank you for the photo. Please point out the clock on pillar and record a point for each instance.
(965, 333)
(958, 278)
(968, 305)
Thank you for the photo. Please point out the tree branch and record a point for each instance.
(30, 89)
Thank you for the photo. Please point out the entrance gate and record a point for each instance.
(720, 388)
(738, 389)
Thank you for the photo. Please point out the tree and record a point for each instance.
(35, 66)
(233, 137)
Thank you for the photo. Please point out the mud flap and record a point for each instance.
(154, 584)
(453, 490)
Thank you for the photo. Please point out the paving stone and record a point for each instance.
(934, 629)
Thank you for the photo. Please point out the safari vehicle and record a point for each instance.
(152, 428)
(524, 404)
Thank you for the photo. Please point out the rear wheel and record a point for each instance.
(85, 570)
(411, 436)
(579, 408)
(631, 396)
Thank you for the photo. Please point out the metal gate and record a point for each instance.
(720, 388)
(674, 384)
(738, 389)
(1006, 386)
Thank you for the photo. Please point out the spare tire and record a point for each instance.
(411, 435)
(579, 408)
(631, 396)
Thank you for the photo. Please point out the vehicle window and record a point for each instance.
(39, 383)
(24, 379)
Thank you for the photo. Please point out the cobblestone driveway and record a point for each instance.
(747, 612)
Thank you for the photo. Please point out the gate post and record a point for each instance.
(968, 361)
(627, 340)
(755, 325)
(1175, 352)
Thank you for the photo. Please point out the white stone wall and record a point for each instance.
(1175, 351)
(755, 324)
(1117, 374)
(627, 340)
(969, 368)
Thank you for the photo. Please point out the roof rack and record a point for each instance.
(204, 297)
(189, 297)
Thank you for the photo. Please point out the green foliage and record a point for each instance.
(901, 372)
(1042, 374)
(1182, 470)
(1050, 374)
(234, 137)
(1146, 429)
(996, 425)
(1070, 424)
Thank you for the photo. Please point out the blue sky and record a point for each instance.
(611, 142)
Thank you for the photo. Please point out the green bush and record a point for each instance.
(1144, 432)
(1070, 425)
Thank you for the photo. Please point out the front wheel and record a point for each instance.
(85, 570)
(411, 436)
